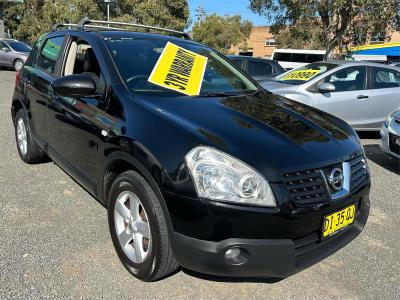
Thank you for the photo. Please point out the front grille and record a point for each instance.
(310, 187)
(306, 187)
(359, 173)
(394, 147)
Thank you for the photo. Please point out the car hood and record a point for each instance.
(268, 132)
(274, 86)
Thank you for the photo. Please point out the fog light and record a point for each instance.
(236, 256)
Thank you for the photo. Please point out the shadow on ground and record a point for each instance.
(375, 154)
(214, 278)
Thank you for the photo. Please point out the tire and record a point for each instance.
(28, 150)
(148, 259)
(18, 64)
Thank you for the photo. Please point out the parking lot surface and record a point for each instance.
(54, 240)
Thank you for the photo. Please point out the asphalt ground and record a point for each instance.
(54, 241)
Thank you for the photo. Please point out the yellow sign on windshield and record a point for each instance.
(300, 75)
(180, 70)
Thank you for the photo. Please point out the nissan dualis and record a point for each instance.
(197, 165)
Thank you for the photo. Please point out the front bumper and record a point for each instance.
(384, 142)
(264, 257)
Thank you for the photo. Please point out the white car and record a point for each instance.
(390, 141)
(361, 93)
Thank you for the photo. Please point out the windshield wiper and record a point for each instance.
(218, 94)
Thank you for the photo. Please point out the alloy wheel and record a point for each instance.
(132, 227)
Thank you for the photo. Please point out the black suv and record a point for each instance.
(235, 181)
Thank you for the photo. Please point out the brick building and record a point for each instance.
(261, 42)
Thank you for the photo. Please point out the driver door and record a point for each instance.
(350, 101)
(77, 126)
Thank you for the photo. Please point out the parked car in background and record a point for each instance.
(390, 133)
(294, 58)
(258, 68)
(361, 93)
(13, 53)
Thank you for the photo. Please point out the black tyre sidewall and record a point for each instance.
(136, 184)
(26, 157)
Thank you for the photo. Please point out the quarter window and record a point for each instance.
(348, 79)
(49, 54)
(385, 78)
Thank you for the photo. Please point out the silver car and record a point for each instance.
(390, 141)
(361, 93)
(13, 53)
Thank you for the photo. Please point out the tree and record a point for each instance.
(338, 20)
(31, 18)
(221, 33)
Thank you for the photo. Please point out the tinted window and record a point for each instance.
(259, 68)
(50, 52)
(385, 78)
(3, 45)
(282, 56)
(348, 79)
(314, 58)
(19, 47)
(299, 57)
(237, 62)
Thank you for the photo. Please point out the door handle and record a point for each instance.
(362, 97)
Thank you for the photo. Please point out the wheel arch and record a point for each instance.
(16, 105)
(120, 162)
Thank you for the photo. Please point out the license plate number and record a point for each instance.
(336, 221)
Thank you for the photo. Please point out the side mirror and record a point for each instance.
(77, 85)
(5, 49)
(326, 88)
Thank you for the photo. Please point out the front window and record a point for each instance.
(305, 73)
(136, 58)
(19, 47)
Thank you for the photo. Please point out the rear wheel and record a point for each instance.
(18, 64)
(28, 150)
(138, 228)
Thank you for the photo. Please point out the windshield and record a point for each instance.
(19, 47)
(136, 59)
(305, 73)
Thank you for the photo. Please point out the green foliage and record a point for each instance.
(28, 20)
(221, 33)
(338, 21)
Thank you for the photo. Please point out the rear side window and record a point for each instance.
(259, 68)
(49, 54)
(385, 78)
(3, 45)
(237, 62)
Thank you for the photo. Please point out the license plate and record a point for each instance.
(333, 223)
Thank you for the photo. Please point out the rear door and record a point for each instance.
(38, 79)
(350, 101)
(385, 90)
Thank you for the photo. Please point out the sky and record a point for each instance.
(227, 7)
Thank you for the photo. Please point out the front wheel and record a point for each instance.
(138, 228)
(18, 64)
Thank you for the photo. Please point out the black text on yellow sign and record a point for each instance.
(180, 70)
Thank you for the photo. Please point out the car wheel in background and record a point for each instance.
(28, 150)
(138, 228)
(18, 63)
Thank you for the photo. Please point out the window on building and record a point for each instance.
(270, 42)
(378, 37)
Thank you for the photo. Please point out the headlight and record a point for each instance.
(220, 177)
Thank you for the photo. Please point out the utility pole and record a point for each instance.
(200, 13)
(108, 3)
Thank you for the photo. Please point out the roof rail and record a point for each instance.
(106, 25)
(57, 26)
